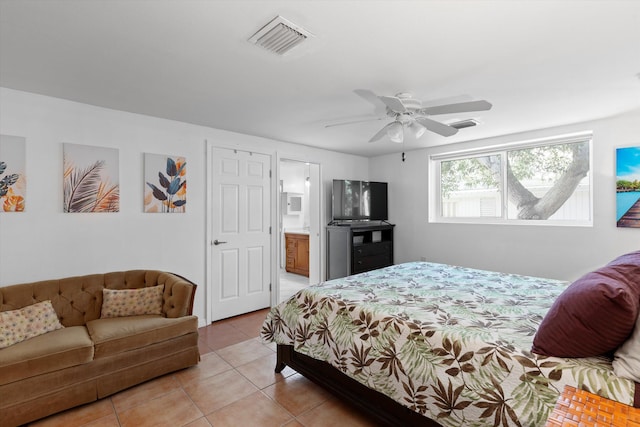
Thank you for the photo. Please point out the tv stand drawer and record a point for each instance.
(371, 262)
(370, 256)
(371, 249)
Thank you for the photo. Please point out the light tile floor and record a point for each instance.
(233, 385)
(291, 283)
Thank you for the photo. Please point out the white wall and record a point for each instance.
(292, 175)
(45, 243)
(555, 252)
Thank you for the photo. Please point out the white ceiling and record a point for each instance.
(540, 63)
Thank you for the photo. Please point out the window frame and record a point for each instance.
(435, 189)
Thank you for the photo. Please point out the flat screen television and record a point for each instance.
(359, 200)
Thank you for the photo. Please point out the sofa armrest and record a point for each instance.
(178, 295)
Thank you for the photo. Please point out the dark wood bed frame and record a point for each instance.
(385, 410)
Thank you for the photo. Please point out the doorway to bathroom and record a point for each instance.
(299, 257)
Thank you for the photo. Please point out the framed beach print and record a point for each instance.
(13, 180)
(165, 188)
(90, 179)
(628, 187)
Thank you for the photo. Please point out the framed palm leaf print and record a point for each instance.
(90, 179)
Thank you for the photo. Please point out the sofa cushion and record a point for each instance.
(120, 334)
(41, 318)
(13, 328)
(50, 352)
(131, 302)
(27, 322)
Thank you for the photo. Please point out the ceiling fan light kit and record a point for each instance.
(407, 112)
(395, 132)
(417, 129)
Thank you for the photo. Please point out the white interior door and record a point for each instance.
(314, 224)
(240, 262)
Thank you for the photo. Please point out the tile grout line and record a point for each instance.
(194, 404)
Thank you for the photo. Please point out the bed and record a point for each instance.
(431, 344)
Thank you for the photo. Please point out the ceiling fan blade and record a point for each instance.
(374, 99)
(351, 122)
(382, 132)
(461, 107)
(393, 103)
(437, 127)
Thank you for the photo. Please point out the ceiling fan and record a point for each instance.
(408, 113)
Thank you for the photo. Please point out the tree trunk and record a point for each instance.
(532, 207)
(564, 187)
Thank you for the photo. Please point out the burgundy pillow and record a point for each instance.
(595, 314)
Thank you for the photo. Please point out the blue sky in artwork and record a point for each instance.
(628, 163)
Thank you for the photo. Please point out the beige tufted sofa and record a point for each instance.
(91, 358)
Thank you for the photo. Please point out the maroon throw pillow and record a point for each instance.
(595, 314)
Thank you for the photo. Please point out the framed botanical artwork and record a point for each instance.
(628, 187)
(165, 189)
(13, 180)
(90, 179)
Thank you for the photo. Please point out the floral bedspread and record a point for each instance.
(449, 342)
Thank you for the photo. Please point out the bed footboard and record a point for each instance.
(384, 409)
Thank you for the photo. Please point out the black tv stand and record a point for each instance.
(355, 223)
(356, 247)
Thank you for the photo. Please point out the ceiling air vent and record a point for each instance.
(464, 123)
(280, 36)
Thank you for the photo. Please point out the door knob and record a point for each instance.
(217, 242)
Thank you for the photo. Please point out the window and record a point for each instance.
(546, 182)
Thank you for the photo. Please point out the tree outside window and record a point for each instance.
(538, 182)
